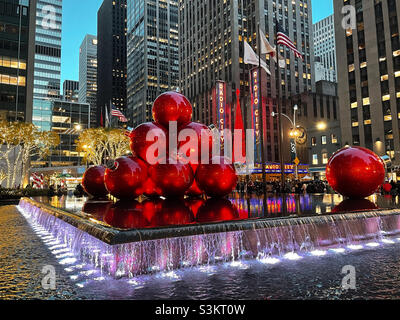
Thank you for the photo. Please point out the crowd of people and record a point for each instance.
(298, 187)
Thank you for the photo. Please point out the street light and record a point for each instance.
(294, 132)
(321, 126)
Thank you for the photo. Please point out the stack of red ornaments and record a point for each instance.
(131, 177)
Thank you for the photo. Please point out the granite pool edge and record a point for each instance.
(113, 236)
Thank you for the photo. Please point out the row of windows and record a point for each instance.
(12, 80)
(8, 62)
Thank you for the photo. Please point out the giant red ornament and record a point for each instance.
(124, 178)
(190, 148)
(173, 179)
(217, 180)
(139, 145)
(355, 172)
(93, 182)
(172, 106)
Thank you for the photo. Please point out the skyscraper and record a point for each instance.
(48, 49)
(153, 58)
(71, 90)
(212, 35)
(17, 30)
(88, 75)
(111, 56)
(369, 75)
(325, 49)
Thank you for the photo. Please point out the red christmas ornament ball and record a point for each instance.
(189, 148)
(124, 179)
(174, 179)
(355, 172)
(93, 182)
(217, 180)
(172, 106)
(139, 145)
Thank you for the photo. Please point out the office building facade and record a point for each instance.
(325, 49)
(71, 90)
(320, 117)
(67, 119)
(88, 75)
(111, 56)
(153, 58)
(17, 30)
(47, 74)
(212, 35)
(369, 76)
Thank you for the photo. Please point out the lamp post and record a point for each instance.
(293, 133)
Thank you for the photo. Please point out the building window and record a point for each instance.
(325, 158)
(315, 159)
(323, 140)
(334, 138)
(313, 141)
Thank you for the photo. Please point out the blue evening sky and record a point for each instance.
(80, 18)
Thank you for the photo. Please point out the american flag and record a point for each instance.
(284, 39)
(116, 113)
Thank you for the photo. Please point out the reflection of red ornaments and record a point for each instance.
(354, 205)
(126, 215)
(140, 146)
(173, 212)
(173, 179)
(217, 180)
(172, 106)
(355, 172)
(93, 182)
(125, 179)
(217, 210)
(97, 209)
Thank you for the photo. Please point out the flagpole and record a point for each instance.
(279, 89)
(264, 177)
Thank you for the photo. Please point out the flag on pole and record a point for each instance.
(116, 113)
(107, 118)
(250, 57)
(283, 39)
(267, 48)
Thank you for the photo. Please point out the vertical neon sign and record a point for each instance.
(255, 111)
(221, 107)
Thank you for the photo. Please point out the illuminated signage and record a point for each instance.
(221, 107)
(255, 108)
